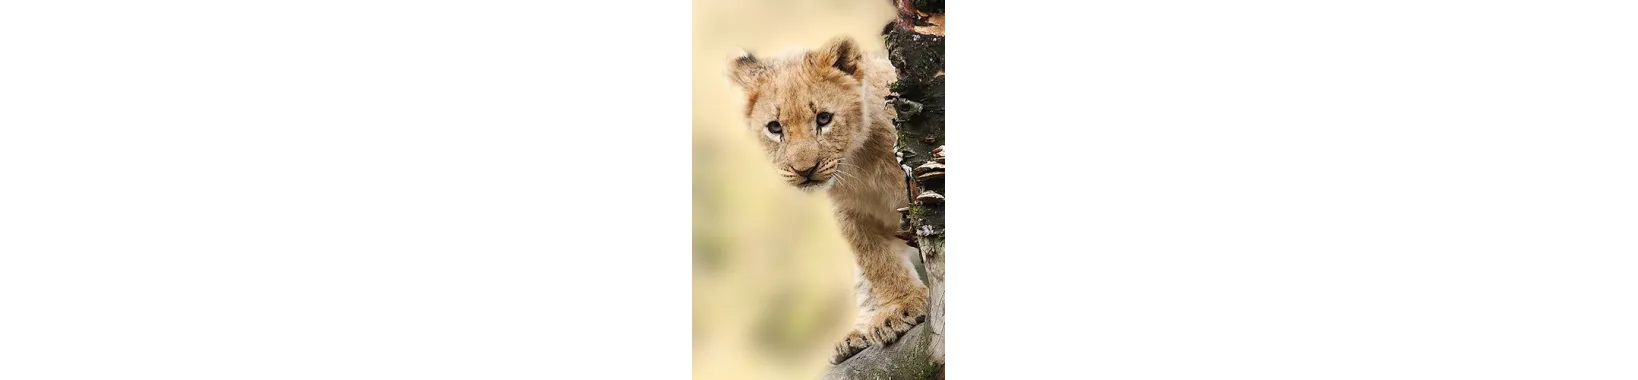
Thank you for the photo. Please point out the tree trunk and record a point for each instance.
(915, 46)
(909, 358)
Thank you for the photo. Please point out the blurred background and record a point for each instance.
(772, 275)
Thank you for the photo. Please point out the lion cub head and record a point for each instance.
(808, 109)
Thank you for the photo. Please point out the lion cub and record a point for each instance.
(824, 122)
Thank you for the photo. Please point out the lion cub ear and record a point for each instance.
(745, 69)
(840, 52)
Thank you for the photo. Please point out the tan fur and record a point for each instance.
(853, 158)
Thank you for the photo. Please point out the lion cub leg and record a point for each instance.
(892, 299)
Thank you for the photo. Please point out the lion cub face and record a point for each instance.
(807, 109)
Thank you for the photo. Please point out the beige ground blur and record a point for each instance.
(772, 275)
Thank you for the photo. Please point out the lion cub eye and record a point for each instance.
(773, 127)
(823, 118)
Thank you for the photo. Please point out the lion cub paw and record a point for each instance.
(849, 346)
(890, 323)
(896, 318)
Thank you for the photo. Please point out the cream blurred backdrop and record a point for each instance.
(772, 275)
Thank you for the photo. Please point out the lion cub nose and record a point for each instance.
(808, 173)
